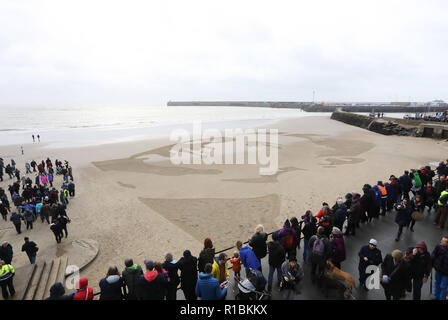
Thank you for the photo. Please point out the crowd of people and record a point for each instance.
(207, 276)
(30, 200)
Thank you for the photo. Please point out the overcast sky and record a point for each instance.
(154, 51)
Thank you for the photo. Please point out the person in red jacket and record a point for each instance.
(84, 292)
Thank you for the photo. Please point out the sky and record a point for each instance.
(149, 52)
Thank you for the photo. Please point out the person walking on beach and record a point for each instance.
(29, 218)
(368, 255)
(188, 275)
(56, 229)
(21, 148)
(33, 165)
(16, 220)
(27, 167)
(71, 189)
(30, 248)
(439, 260)
(63, 220)
(38, 137)
(4, 211)
(33, 138)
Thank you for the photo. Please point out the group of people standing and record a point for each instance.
(41, 200)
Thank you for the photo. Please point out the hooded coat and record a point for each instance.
(420, 263)
(111, 288)
(152, 286)
(208, 288)
(6, 254)
(130, 277)
(84, 291)
(57, 292)
(276, 254)
(188, 271)
(338, 246)
(249, 259)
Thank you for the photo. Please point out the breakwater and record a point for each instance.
(312, 107)
(389, 126)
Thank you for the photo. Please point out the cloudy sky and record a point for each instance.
(153, 51)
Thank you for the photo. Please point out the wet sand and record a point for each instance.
(135, 203)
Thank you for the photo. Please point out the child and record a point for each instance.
(236, 264)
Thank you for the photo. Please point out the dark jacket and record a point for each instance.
(399, 276)
(439, 259)
(111, 288)
(172, 269)
(420, 265)
(57, 292)
(340, 215)
(206, 256)
(354, 214)
(403, 215)
(258, 244)
(30, 247)
(6, 254)
(374, 257)
(309, 229)
(130, 279)
(338, 247)
(188, 272)
(152, 286)
(15, 218)
(276, 254)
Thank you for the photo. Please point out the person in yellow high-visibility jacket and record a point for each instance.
(442, 210)
(6, 277)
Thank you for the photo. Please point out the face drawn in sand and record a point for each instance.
(237, 217)
(339, 150)
(266, 178)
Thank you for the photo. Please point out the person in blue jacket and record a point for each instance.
(208, 288)
(377, 201)
(248, 257)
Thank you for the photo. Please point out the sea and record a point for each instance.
(82, 125)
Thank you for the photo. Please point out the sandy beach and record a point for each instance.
(136, 204)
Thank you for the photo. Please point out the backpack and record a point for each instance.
(288, 242)
(319, 247)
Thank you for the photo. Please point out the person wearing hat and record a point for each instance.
(368, 255)
(320, 252)
(292, 274)
(6, 279)
(188, 274)
(403, 216)
(152, 284)
(395, 275)
(420, 262)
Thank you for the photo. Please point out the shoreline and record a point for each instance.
(136, 204)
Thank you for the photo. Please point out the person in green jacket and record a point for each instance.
(130, 277)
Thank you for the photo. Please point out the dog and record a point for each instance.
(337, 274)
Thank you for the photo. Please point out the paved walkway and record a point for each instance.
(384, 231)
